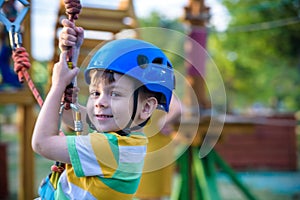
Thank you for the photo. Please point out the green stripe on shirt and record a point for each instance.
(74, 156)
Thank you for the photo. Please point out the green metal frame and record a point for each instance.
(198, 179)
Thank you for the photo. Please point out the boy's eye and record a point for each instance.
(95, 93)
(115, 94)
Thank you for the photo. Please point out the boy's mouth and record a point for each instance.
(104, 116)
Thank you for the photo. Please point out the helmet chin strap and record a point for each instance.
(127, 130)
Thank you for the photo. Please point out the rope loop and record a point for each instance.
(21, 61)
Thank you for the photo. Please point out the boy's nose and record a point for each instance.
(102, 101)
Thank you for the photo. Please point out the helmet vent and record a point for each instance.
(169, 65)
(142, 61)
(158, 60)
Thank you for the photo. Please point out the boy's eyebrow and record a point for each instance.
(92, 87)
(114, 86)
(110, 86)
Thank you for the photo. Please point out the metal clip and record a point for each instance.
(78, 127)
(14, 27)
(77, 122)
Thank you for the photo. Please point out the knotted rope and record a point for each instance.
(21, 62)
(21, 65)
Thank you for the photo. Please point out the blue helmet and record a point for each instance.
(140, 60)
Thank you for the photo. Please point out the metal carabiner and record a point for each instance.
(78, 127)
(13, 28)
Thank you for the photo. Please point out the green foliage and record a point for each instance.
(169, 35)
(40, 76)
(169, 40)
(156, 19)
(258, 55)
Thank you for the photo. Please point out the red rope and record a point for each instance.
(21, 65)
(21, 60)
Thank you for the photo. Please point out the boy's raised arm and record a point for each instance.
(45, 139)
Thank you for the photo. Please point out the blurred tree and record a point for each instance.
(259, 53)
(171, 40)
(156, 19)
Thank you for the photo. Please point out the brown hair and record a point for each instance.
(98, 76)
(107, 76)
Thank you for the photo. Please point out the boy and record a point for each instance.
(127, 80)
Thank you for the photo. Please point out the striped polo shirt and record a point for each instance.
(104, 166)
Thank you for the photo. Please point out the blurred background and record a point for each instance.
(253, 45)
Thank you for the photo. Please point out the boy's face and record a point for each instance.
(110, 105)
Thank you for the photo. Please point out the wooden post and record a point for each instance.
(26, 189)
(25, 103)
(196, 15)
(4, 171)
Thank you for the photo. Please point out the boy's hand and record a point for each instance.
(70, 36)
(62, 75)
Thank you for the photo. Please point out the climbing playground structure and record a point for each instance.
(241, 141)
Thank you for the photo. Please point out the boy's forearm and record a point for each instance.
(45, 139)
(48, 120)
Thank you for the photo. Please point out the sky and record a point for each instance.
(43, 14)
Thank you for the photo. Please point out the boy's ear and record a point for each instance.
(149, 105)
